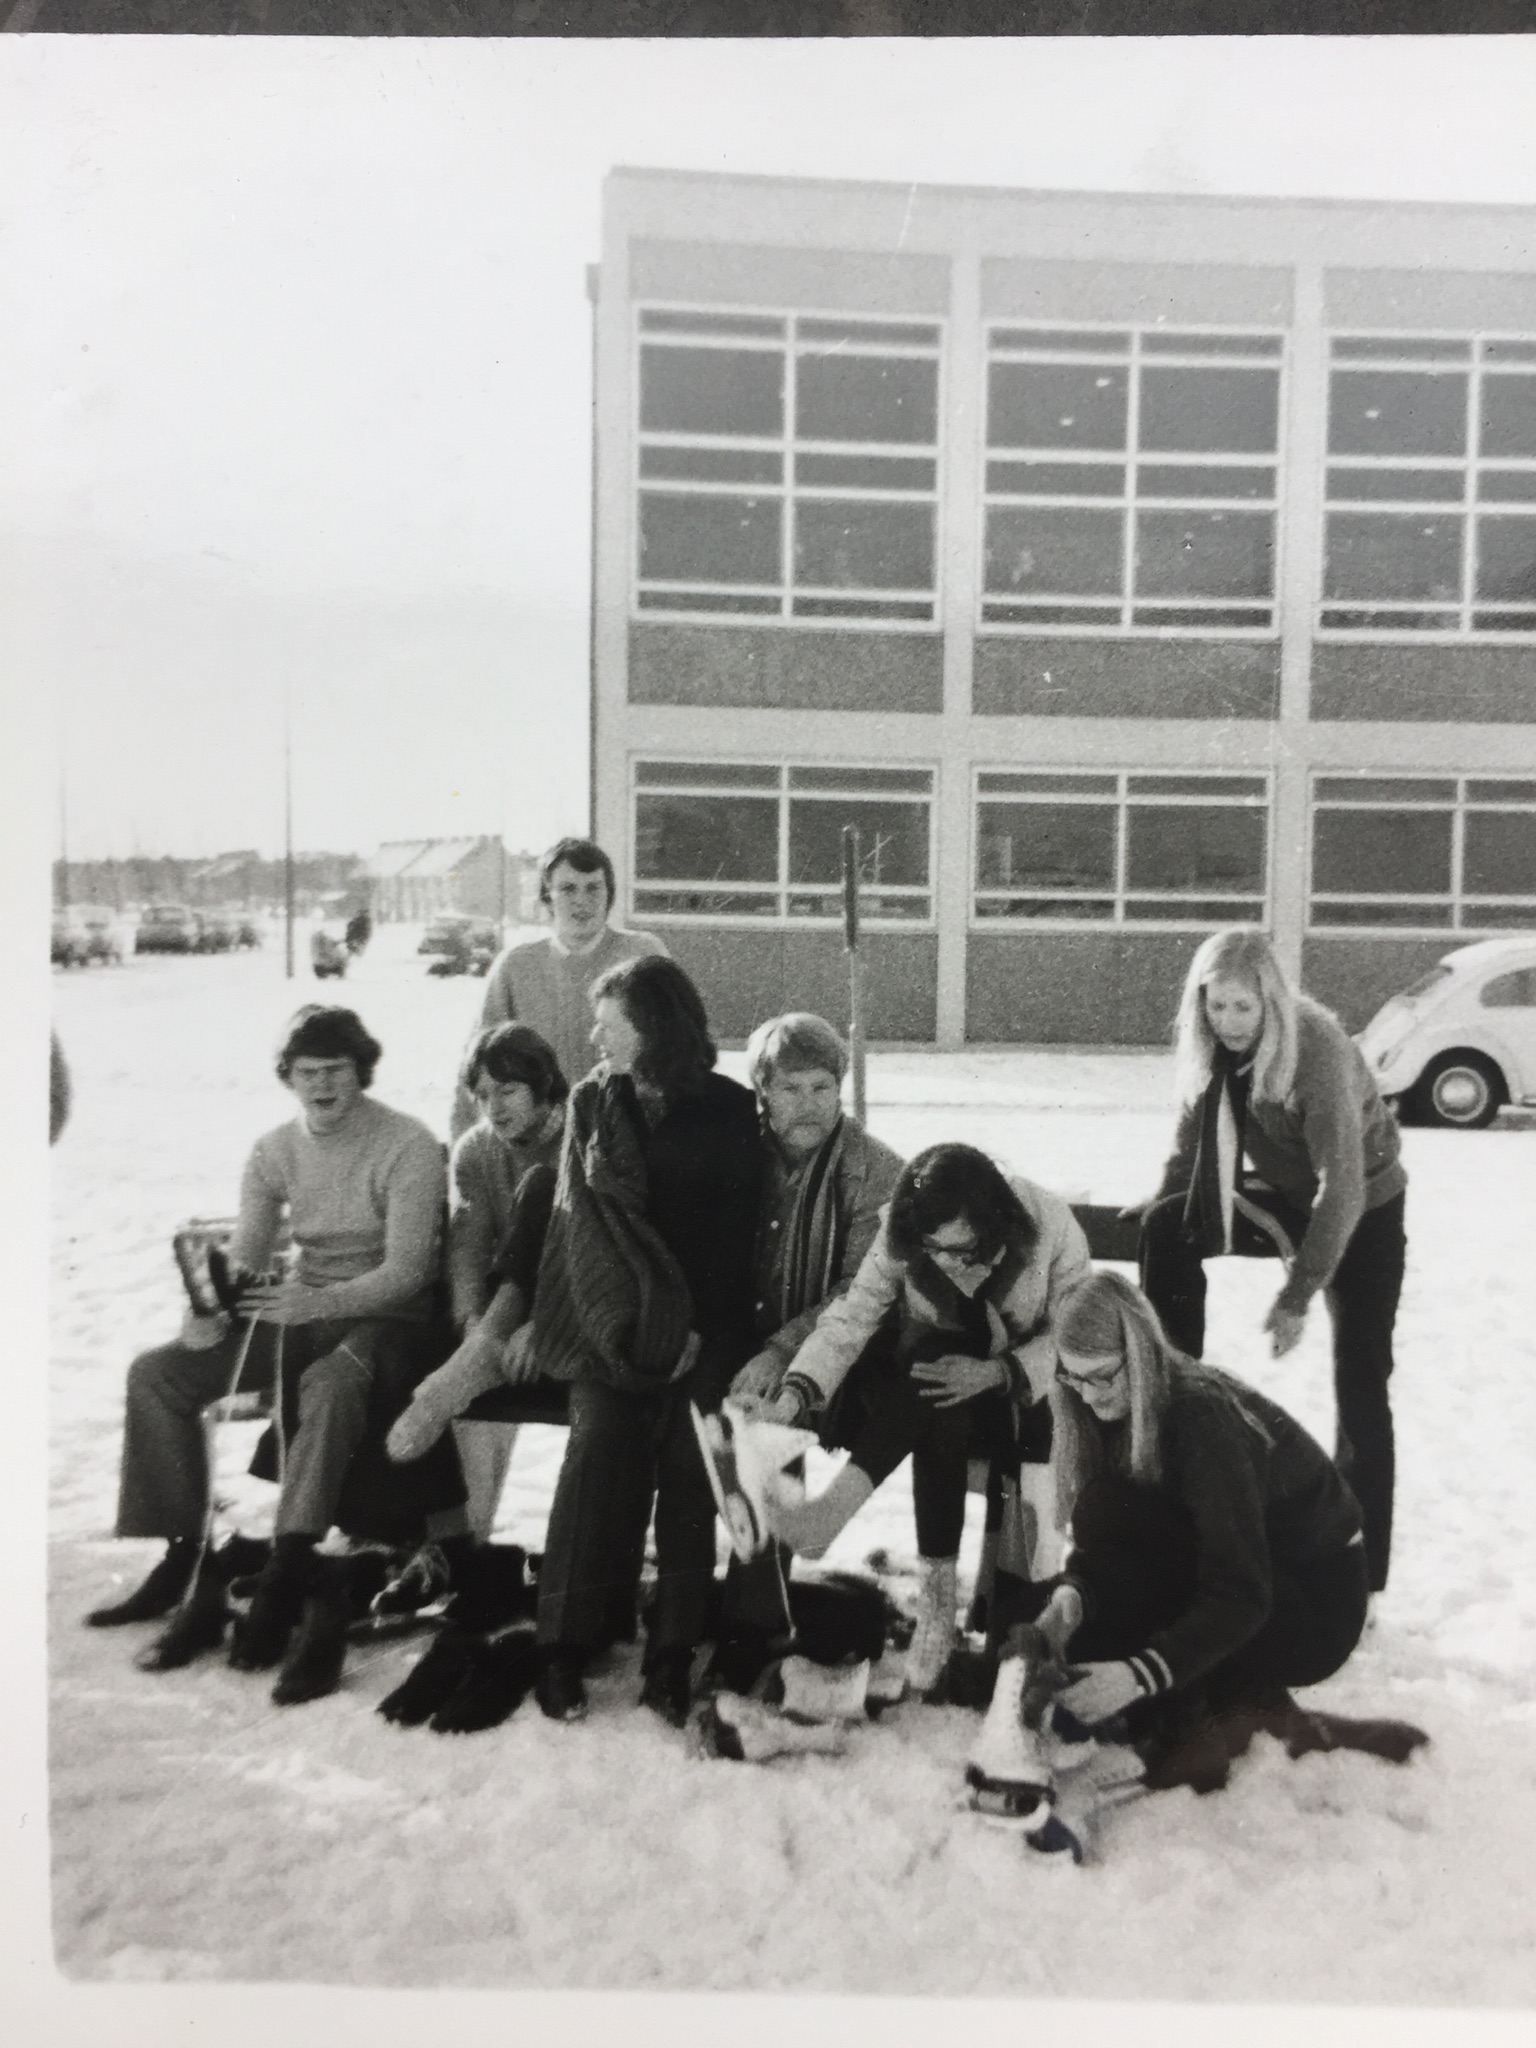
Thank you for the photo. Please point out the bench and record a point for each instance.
(1109, 1237)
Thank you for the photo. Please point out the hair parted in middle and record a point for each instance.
(667, 1011)
(1240, 953)
(1103, 1316)
(799, 1042)
(947, 1182)
(325, 1031)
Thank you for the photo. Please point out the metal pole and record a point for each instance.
(851, 860)
(287, 834)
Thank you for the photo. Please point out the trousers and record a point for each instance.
(1362, 1307)
(343, 1383)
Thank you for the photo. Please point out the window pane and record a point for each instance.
(713, 540)
(1513, 991)
(1197, 480)
(705, 775)
(1196, 785)
(1400, 348)
(858, 544)
(1056, 405)
(866, 398)
(894, 836)
(1396, 412)
(1218, 412)
(1509, 416)
(1416, 486)
(842, 780)
(1057, 479)
(1204, 554)
(706, 903)
(1385, 789)
(890, 334)
(1405, 915)
(1065, 550)
(867, 472)
(1499, 857)
(1506, 560)
(1192, 909)
(1401, 852)
(1046, 846)
(711, 391)
(1506, 486)
(706, 839)
(712, 465)
(712, 323)
(1198, 848)
(1392, 554)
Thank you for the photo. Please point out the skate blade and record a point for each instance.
(995, 1799)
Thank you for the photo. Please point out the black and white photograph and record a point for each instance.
(786, 794)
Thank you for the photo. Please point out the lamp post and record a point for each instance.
(287, 833)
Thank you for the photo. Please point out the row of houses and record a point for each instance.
(1120, 566)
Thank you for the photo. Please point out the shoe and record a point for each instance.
(494, 1687)
(432, 1680)
(668, 1687)
(318, 1651)
(745, 1460)
(158, 1594)
(197, 1625)
(934, 1638)
(558, 1687)
(1009, 1773)
(748, 1731)
(425, 1578)
(277, 1601)
(821, 1692)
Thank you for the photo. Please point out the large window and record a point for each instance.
(1431, 523)
(727, 839)
(1118, 848)
(1131, 479)
(1428, 853)
(787, 468)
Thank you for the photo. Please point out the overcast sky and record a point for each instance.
(295, 375)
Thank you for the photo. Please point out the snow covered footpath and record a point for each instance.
(199, 1833)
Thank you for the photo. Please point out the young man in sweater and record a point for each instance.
(544, 981)
(344, 1335)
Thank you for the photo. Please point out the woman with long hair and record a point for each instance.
(1216, 1556)
(644, 1303)
(948, 1319)
(1284, 1148)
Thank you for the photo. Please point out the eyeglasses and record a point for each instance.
(967, 1255)
(1103, 1375)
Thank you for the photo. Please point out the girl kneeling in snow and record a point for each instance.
(1216, 1553)
(948, 1319)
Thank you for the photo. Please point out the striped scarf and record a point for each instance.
(1221, 1213)
(815, 1235)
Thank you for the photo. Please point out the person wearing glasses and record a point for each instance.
(952, 1305)
(1216, 1553)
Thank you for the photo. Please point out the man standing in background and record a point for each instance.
(544, 981)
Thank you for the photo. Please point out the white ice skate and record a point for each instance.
(745, 1460)
(1009, 1775)
(751, 1732)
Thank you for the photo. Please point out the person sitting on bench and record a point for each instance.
(344, 1337)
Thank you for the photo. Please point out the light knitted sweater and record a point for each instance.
(364, 1204)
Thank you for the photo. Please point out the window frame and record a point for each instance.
(1459, 805)
(1124, 799)
(782, 889)
(1468, 509)
(1124, 626)
(788, 491)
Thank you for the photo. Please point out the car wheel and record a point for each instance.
(1461, 1091)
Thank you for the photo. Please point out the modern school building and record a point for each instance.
(1120, 566)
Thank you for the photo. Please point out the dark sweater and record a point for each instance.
(704, 1165)
(1262, 1493)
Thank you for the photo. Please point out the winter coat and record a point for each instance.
(819, 1219)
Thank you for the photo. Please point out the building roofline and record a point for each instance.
(1332, 203)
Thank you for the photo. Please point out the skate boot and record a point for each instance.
(933, 1640)
(745, 1461)
(1009, 1774)
(749, 1731)
(824, 1692)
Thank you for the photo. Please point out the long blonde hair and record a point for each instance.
(1243, 953)
(1102, 1315)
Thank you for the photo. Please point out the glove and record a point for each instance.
(1098, 1692)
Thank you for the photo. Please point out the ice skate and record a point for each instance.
(745, 1460)
(748, 1731)
(1009, 1775)
(824, 1692)
(937, 1631)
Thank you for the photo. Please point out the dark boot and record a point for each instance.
(158, 1594)
(197, 1625)
(558, 1687)
(318, 1651)
(668, 1687)
(494, 1688)
(277, 1600)
(432, 1680)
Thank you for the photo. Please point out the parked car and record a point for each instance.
(329, 952)
(70, 945)
(463, 944)
(103, 932)
(220, 931)
(167, 928)
(1461, 1040)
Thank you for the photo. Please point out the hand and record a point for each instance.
(946, 1382)
(416, 1430)
(284, 1301)
(518, 1364)
(759, 1377)
(784, 1408)
(1284, 1328)
(1098, 1692)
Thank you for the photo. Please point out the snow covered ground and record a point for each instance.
(198, 1833)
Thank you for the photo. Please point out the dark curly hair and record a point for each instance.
(323, 1031)
(950, 1181)
(667, 1011)
(515, 1052)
